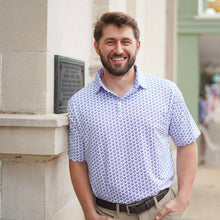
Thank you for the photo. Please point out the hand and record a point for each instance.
(176, 205)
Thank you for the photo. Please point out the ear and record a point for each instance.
(138, 46)
(96, 46)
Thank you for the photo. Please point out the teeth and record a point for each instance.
(118, 59)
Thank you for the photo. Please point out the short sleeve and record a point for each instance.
(76, 146)
(183, 129)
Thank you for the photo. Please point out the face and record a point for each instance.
(117, 49)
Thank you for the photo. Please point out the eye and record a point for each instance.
(110, 42)
(126, 42)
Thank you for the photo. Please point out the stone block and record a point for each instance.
(73, 39)
(6, 219)
(72, 210)
(38, 189)
(26, 202)
(101, 2)
(23, 25)
(33, 134)
(25, 83)
(60, 197)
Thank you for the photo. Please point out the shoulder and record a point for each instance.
(160, 84)
(161, 89)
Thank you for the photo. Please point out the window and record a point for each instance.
(208, 9)
(213, 6)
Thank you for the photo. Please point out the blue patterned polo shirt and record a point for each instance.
(125, 141)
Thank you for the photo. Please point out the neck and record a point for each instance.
(119, 84)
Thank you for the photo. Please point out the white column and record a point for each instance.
(99, 7)
(151, 15)
(171, 40)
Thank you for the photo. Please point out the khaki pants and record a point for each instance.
(148, 215)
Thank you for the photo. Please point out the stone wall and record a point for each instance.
(35, 181)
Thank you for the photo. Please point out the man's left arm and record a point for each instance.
(187, 160)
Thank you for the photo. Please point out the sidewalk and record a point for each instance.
(205, 199)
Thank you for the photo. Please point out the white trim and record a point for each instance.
(205, 16)
(200, 7)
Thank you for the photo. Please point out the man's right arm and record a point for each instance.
(81, 185)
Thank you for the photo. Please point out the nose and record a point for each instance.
(118, 48)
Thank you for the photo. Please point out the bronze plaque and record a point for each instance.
(69, 79)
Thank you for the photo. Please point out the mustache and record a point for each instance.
(117, 55)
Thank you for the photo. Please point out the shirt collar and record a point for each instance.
(140, 80)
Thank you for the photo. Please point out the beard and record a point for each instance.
(117, 69)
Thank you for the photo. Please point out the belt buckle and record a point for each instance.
(146, 203)
(130, 205)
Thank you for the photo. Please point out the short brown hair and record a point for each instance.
(117, 18)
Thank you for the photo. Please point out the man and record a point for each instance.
(119, 126)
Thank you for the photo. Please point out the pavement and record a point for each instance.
(205, 198)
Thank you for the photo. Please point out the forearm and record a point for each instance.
(187, 160)
(80, 181)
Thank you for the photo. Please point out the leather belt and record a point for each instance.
(134, 208)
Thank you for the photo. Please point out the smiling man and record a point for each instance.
(117, 49)
(121, 164)
(120, 48)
